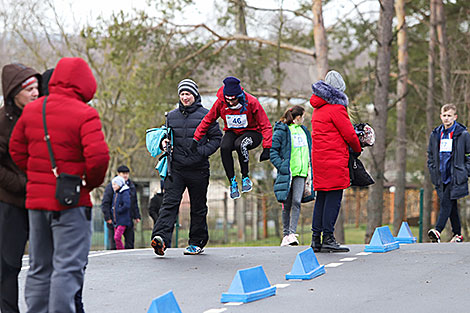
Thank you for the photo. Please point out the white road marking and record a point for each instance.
(280, 286)
(333, 264)
(363, 253)
(215, 310)
(234, 303)
(348, 259)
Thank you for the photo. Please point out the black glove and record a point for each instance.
(193, 147)
(265, 155)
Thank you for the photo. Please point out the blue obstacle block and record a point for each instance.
(166, 303)
(382, 241)
(404, 234)
(249, 285)
(305, 266)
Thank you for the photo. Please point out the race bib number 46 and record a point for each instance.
(237, 121)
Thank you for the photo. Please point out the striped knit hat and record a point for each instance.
(188, 85)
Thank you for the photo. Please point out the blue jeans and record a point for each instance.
(325, 212)
(291, 208)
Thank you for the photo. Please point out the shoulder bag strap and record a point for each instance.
(46, 138)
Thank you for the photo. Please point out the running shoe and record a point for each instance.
(293, 241)
(434, 235)
(158, 245)
(193, 250)
(457, 238)
(285, 241)
(234, 193)
(247, 185)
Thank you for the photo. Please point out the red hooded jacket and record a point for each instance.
(75, 133)
(255, 117)
(332, 133)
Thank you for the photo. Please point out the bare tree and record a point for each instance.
(402, 90)
(319, 36)
(443, 51)
(430, 111)
(384, 35)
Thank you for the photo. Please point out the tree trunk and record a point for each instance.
(402, 90)
(443, 51)
(321, 43)
(241, 20)
(375, 202)
(430, 112)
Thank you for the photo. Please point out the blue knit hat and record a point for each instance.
(232, 86)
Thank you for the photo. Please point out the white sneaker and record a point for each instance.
(293, 241)
(285, 241)
(434, 235)
(457, 238)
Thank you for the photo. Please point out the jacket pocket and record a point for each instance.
(434, 173)
(460, 174)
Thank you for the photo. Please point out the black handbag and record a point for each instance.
(68, 186)
(358, 174)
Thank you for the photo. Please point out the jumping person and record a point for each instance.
(290, 154)
(332, 134)
(245, 125)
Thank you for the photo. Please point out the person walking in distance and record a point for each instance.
(60, 236)
(245, 125)
(120, 209)
(20, 86)
(290, 155)
(332, 134)
(106, 208)
(449, 167)
(189, 169)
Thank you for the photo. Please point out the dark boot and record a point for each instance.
(330, 245)
(316, 243)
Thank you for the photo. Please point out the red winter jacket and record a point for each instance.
(256, 118)
(75, 133)
(332, 132)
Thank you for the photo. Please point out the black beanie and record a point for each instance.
(232, 86)
(123, 169)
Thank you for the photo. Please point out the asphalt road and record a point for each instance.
(415, 278)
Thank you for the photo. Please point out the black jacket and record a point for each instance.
(184, 121)
(460, 161)
(107, 202)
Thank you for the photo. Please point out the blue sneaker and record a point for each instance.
(193, 250)
(234, 193)
(247, 185)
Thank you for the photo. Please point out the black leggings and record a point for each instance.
(241, 143)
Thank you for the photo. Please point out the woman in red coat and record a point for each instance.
(332, 134)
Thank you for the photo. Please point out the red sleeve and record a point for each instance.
(264, 124)
(95, 150)
(342, 122)
(206, 122)
(18, 146)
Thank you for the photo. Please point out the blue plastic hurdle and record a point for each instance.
(165, 303)
(382, 241)
(404, 234)
(306, 266)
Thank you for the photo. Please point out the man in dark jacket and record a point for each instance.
(20, 86)
(106, 205)
(189, 170)
(449, 166)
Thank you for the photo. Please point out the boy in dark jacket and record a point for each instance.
(20, 86)
(189, 170)
(449, 166)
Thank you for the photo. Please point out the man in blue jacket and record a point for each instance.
(449, 166)
(106, 205)
(189, 170)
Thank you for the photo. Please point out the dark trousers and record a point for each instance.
(14, 231)
(241, 143)
(128, 237)
(325, 212)
(197, 182)
(447, 210)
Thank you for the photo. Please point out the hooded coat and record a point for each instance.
(75, 133)
(12, 179)
(332, 133)
(280, 155)
(459, 161)
(256, 118)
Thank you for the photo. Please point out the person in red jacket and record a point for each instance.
(60, 236)
(245, 125)
(332, 135)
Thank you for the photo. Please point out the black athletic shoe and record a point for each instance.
(158, 245)
(316, 243)
(434, 235)
(330, 245)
